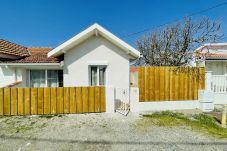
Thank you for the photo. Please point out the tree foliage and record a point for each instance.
(174, 45)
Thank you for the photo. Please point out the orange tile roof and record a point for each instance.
(37, 55)
(25, 54)
(10, 48)
(216, 56)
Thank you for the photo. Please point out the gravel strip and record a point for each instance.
(98, 132)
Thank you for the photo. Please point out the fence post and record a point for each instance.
(134, 99)
(110, 99)
(223, 120)
(208, 82)
(206, 97)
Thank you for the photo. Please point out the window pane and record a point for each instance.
(93, 76)
(37, 78)
(52, 78)
(60, 78)
(42, 78)
(102, 75)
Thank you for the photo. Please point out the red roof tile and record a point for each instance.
(37, 55)
(10, 48)
(25, 54)
(216, 56)
(133, 69)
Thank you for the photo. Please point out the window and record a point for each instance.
(97, 75)
(46, 78)
(52, 78)
(37, 78)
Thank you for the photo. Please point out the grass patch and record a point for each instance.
(199, 122)
(19, 124)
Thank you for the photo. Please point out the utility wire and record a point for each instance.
(176, 20)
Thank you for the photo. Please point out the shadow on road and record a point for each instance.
(104, 142)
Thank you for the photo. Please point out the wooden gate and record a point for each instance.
(38, 101)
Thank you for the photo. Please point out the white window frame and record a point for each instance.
(89, 74)
(46, 77)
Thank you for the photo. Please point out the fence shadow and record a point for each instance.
(104, 142)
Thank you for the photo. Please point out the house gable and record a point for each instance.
(94, 30)
(96, 51)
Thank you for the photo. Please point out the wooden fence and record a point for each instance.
(170, 83)
(38, 101)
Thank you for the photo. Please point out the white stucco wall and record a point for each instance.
(7, 76)
(21, 75)
(10, 75)
(96, 49)
(137, 106)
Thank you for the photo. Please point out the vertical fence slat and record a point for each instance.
(196, 84)
(181, 84)
(7, 99)
(20, 101)
(171, 84)
(176, 84)
(7, 103)
(34, 101)
(103, 99)
(27, 101)
(146, 82)
(97, 99)
(141, 84)
(162, 83)
(192, 84)
(186, 75)
(167, 84)
(151, 84)
(1, 101)
(53, 100)
(40, 101)
(47, 103)
(85, 99)
(91, 107)
(60, 100)
(79, 103)
(66, 100)
(157, 84)
(13, 101)
(72, 99)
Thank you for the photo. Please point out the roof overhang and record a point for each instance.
(95, 29)
(210, 45)
(216, 60)
(7, 56)
(32, 65)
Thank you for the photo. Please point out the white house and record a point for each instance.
(214, 57)
(91, 58)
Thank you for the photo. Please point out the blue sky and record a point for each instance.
(51, 22)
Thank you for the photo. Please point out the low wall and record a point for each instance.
(136, 106)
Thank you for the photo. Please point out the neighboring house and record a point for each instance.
(213, 57)
(93, 57)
